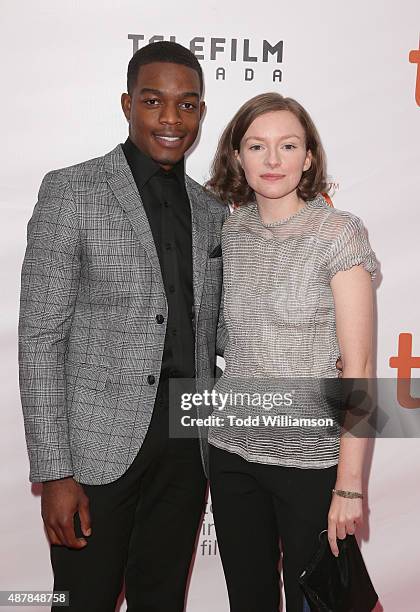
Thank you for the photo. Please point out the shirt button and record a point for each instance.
(166, 204)
(174, 332)
(151, 379)
(160, 318)
(171, 289)
(168, 246)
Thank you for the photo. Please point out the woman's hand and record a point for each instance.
(344, 515)
(353, 299)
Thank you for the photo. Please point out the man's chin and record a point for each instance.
(166, 156)
(167, 160)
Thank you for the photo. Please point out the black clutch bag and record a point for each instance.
(338, 584)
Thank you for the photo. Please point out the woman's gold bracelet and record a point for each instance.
(348, 494)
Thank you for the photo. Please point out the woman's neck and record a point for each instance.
(273, 210)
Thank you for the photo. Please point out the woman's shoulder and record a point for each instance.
(334, 221)
(238, 215)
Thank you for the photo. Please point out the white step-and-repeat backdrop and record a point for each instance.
(356, 67)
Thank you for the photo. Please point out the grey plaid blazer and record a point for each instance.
(88, 337)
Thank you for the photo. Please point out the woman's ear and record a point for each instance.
(308, 160)
(238, 157)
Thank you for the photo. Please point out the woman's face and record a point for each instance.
(273, 154)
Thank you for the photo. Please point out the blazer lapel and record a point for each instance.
(121, 182)
(200, 239)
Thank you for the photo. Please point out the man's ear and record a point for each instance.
(202, 109)
(308, 160)
(126, 105)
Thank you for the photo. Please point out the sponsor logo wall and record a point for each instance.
(356, 67)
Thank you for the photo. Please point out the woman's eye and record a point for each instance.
(255, 147)
(289, 147)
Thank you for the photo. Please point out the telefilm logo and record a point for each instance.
(414, 58)
(404, 363)
(225, 52)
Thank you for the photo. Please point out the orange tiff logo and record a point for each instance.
(404, 362)
(414, 58)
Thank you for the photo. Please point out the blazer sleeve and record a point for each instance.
(222, 333)
(50, 279)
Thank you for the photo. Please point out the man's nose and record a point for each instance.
(170, 114)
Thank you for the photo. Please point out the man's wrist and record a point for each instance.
(57, 480)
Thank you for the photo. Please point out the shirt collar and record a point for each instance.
(144, 167)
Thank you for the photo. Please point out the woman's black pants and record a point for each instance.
(254, 506)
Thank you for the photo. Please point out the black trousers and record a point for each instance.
(144, 527)
(255, 505)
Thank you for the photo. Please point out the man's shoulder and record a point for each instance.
(86, 173)
(205, 198)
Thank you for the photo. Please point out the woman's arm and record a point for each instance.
(352, 291)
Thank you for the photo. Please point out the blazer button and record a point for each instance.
(160, 318)
(151, 379)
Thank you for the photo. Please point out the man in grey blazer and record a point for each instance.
(121, 288)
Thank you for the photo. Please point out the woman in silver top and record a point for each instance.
(297, 296)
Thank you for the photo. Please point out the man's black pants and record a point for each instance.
(144, 527)
(253, 506)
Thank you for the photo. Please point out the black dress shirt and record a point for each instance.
(167, 207)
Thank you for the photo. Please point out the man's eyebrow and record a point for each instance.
(150, 90)
(158, 92)
(191, 94)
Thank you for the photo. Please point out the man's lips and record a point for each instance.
(169, 140)
(272, 177)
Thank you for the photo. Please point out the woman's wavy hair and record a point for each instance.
(227, 180)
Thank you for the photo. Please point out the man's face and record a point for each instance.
(164, 111)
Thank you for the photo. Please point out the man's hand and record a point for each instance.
(60, 501)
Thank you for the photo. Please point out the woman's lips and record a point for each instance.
(272, 177)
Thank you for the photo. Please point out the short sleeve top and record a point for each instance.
(280, 317)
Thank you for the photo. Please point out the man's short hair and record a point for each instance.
(162, 51)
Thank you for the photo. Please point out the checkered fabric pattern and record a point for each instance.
(88, 335)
